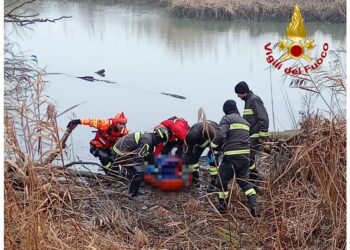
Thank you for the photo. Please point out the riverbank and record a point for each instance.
(303, 204)
(249, 10)
(259, 10)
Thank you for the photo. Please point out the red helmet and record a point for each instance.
(120, 118)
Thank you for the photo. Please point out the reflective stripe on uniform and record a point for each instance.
(223, 195)
(239, 126)
(263, 134)
(204, 144)
(144, 151)
(252, 167)
(250, 191)
(115, 149)
(95, 123)
(108, 165)
(213, 170)
(194, 167)
(137, 137)
(254, 135)
(248, 112)
(213, 145)
(102, 141)
(237, 152)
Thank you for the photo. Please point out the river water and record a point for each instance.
(145, 51)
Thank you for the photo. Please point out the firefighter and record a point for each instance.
(178, 128)
(133, 150)
(197, 139)
(254, 113)
(232, 136)
(109, 131)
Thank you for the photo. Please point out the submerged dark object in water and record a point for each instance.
(92, 79)
(87, 78)
(174, 95)
(106, 81)
(101, 72)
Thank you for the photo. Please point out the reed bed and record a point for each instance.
(259, 10)
(303, 203)
(302, 196)
(307, 187)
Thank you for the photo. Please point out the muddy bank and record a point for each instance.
(259, 10)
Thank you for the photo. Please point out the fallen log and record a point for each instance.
(114, 177)
(82, 163)
(61, 145)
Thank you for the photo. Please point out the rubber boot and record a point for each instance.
(253, 205)
(254, 178)
(212, 188)
(222, 207)
(135, 185)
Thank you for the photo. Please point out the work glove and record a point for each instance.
(213, 157)
(262, 140)
(263, 137)
(73, 123)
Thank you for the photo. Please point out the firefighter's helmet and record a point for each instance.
(120, 118)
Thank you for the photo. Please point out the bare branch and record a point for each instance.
(24, 22)
(23, 19)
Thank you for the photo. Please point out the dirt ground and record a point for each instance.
(185, 219)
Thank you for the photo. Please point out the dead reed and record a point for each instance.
(303, 195)
(307, 187)
(303, 201)
(259, 10)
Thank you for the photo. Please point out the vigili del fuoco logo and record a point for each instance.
(296, 47)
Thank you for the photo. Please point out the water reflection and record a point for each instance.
(99, 18)
(147, 52)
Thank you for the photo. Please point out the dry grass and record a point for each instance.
(307, 187)
(303, 195)
(303, 200)
(259, 10)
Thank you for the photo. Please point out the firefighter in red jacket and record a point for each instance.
(178, 128)
(109, 131)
